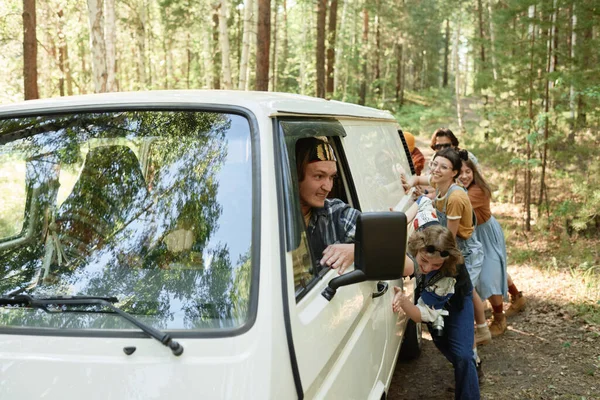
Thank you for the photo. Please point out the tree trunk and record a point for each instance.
(378, 51)
(274, 48)
(263, 45)
(481, 33)
(549, 70)
(207, 54)
(530, 109)
(362, 95)
(216, 47)
(572, 96)
(399, 70)
(243, 79)
(140, 39)
(585, 60)
(340, 42)
(189, 57)
(111, 40)
(492, 39)
(333, 5)
(285, 46)
(457, 74)
(97, 45)
(63, 58)
(224, 41)
(29, 51)
(446, 54)
(320, 48)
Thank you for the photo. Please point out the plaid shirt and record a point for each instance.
(334, 223)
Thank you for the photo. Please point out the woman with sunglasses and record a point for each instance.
(443, 287)
(494, 281)
(455, 212)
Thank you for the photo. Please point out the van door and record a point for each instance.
(377, 158)
(338, 345)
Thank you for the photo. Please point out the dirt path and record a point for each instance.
(545, 353)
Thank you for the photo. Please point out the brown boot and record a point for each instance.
(517, 304)
(498, 324)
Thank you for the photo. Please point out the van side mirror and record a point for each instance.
(379, 250)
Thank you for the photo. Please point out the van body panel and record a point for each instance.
(343, 348)
(264, 103)
(95, 368)
(332, 338)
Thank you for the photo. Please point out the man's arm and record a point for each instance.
(341, 255)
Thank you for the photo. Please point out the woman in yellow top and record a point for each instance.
(454, 211)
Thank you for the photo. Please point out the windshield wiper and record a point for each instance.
(29, 301)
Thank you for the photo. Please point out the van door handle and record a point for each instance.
(382, 287)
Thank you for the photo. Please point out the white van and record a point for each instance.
(151, 246)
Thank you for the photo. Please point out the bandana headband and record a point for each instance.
(321, 152)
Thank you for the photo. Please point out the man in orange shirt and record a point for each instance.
(417, 157)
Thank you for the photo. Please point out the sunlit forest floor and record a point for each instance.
(552, 349)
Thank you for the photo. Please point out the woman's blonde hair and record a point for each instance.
(442, 240)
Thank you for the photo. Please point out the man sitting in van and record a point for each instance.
(330, 223)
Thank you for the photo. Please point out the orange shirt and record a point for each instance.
(459, 207)
(480, 203)
(418, 161)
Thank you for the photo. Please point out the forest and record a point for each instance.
(522, 77)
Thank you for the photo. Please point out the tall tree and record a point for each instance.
(572, 96)
(243, 78)
(399, 72)
(110, 36)
(455, 51)
(274, 57)
(446, 54)
(362, 93)
(492, 40)
(29, 51)
(330, 86)
(549, 70)
(528, 139)
(263, 41)
(96, 18)
(320, 48)
(140, 41)
(64, 64)
(224, 41)
(216, 59)
(377, 61)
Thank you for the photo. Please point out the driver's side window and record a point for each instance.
(307, 270)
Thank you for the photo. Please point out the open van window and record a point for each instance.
(152, 207)
(307, 269)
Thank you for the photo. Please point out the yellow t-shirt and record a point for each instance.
(458, 207)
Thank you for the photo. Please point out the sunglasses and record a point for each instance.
(442, 146)
(431, 249)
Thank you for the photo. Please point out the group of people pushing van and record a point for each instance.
(457, 252)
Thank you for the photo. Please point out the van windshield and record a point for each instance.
(152, 207)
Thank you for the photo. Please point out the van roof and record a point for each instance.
(269, 103)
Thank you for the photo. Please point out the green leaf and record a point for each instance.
(532, 137)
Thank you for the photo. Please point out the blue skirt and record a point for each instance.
(492, 280)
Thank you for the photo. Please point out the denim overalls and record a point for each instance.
(471, 248)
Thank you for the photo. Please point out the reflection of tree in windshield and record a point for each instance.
(139, 219)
